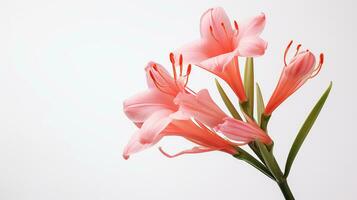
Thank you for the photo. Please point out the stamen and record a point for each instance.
(319, 66)
(157, 84)
(211, 30)
(155, 81)
(188, 72)
(172, 59)
(236, 25)
(224, 28)
(155, 67)
(180, 62)
(297, 49)
(286, 51)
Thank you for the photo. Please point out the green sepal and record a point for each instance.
(249, 86)
(227, 101)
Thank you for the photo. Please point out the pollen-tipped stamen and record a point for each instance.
(211, 31)
(319, 66)
(224, 28)
(188, 72)
(172, 59)
(180, 63)
(236, 25)
(297, 49)
(286, 51)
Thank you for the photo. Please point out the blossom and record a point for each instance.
(156, 114)
(220, 45)
(197, 133)
(242, 131)
(301, 68)
(203, 109)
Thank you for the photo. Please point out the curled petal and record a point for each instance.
(134, 145)
(251, 47)
(154, 125)
(253, 26)
(188, 151)
(141, 106)
(201, 107)
(241, 131)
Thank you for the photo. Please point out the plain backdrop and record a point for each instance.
(66, 67)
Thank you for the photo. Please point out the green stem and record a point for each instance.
(285, 189)
(245, 156)
(263, 125)
(264, 121)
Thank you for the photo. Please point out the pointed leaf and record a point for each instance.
(249, 86)
(310, 120)
(260, 104)
(227, 101)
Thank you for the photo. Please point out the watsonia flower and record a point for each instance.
(301, 68)
(220, 45)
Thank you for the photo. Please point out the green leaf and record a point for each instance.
(260, 104)
(310, 120)
(270, 162)
(227, 101)
(249, 85)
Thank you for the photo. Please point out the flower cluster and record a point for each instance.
(170, 108)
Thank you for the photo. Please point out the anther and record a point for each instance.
(172, 59)
(188, 71)
(155, 67)
(180, 63)
(224, 29)
(211, 30)
(297, 49)
(236, 25)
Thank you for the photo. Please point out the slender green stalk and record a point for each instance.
(264, 120)
(285, 189)
(245, 156)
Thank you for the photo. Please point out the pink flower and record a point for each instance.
(203, 109)
(194, 132)
(242, 131)
(220, 44)
(300, 69)
(155, 113)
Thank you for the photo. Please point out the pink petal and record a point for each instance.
(139, 107)
(201, 107)
(188, 151)
(134, 145)
(217, 64)
(251, 47)
(241, 131)
(226, 67)
(216, 27)
(154, 125)
(197, 51)
(252, 27)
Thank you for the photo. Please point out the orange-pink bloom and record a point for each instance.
(221, 44)
(155, 113)
(242, 132)
(301, 68)
(203, 109)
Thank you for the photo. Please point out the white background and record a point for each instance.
(66, 67)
